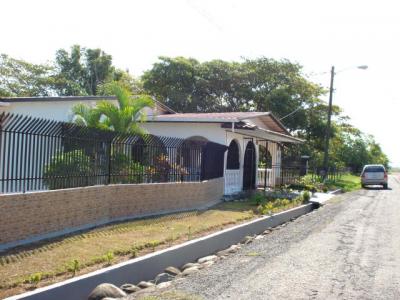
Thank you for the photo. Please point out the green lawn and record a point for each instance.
(347, 183)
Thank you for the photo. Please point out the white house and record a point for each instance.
(60, 108)
(243, 133)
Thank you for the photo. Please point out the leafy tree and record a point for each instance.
(23, 79)
(173, 81)
(262, 84)
(81, 70)
(125, 80)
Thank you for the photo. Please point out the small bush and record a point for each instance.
(285, 202)
(73, 266)
(306, 196)
(134, 252)
(257, 199)
(109, 257)
(35, 278)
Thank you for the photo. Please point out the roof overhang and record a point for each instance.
(264, 134)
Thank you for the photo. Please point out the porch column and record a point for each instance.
(276, 163)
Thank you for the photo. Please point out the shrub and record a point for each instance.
(306, 196)
(257, 199)
(35, 278)
(73, 266)
(69, 169)
(109, 257)
(134, 252)
(75, 168)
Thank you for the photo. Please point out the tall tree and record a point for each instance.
(81, 70)
(173, 81)
(21, 78)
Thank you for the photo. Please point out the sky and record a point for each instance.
(317, 34)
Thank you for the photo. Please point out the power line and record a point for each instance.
(297, 109)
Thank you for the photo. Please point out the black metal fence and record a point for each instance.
(40, 154)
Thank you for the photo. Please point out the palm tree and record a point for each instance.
(124, 117)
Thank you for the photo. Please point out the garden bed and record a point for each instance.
(42, 264)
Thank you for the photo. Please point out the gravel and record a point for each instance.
(348, 249)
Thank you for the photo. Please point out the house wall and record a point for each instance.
(211, 131)
(56, 110)
(33, 216)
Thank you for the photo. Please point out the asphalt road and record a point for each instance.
(348, 249)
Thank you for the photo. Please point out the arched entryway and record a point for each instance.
(249, 167)
(233, 178)
(188, 162)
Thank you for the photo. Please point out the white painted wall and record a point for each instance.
(211, 131)
(56, 110)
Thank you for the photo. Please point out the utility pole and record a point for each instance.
(328, 126)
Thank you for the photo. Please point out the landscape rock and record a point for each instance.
(207, 258)
(247, 239)
(207, 263)
(164, 285)
(189, 271)
(129, 288)
(233, 248)
(259, 237)
(189, 265)
(172, 271)
(105, 290)
(163, 277)
(145, 284)
(223, 253)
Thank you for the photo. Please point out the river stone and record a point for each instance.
(164, 285)
(106, 290)
(207, 258)
(189, 265)
(207, 263)
(259, 237)
(145, 284)
(172, 271)
(129, 288)
(233, 248)
(223, 253)
(247, 239)
(163, 277)
(189, 271)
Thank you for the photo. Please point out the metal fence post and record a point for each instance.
(109, 162)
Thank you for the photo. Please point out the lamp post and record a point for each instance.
(328, 123)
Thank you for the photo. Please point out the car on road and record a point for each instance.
(374, 175)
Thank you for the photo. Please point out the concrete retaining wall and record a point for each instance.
(30, 217)
(147, 267)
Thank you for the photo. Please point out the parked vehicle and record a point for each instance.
(374, 175)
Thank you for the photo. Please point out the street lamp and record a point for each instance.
(328, 124)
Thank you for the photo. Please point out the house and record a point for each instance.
(60, 108)
(244, 134)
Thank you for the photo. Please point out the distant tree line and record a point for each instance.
(187, 85)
